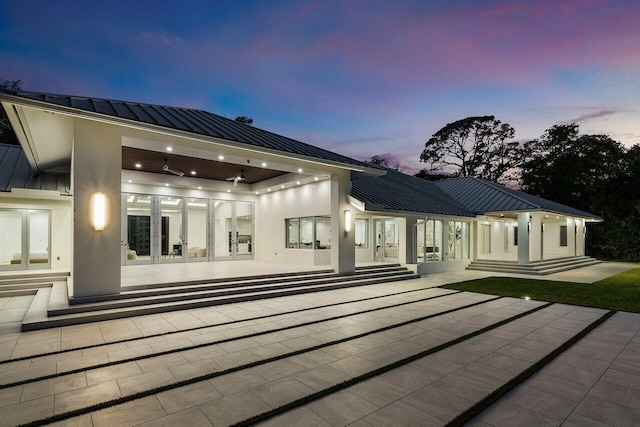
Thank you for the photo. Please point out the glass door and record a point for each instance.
(243, 230)
(39, 232)
(197, 231)
(13, 237)
(387, 240)
(233, 230)
(26, 239)
(171, 229)
(379, 227)
(137, 222)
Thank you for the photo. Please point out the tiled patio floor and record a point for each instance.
(595, 382)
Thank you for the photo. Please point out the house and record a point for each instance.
(100, 184)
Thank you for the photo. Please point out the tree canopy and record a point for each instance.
(7, 135)
(244, 119)
(479, 146)
(593, 173)
(383, 160)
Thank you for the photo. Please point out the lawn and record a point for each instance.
(619, 292)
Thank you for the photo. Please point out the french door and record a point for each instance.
(233, 230)
(26, 238)
(387, 240)
(166, 229)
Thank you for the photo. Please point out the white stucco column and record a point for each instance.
(571, 237)
(580, 236)
(408, 256)
(523, 238)
(97, 164)
(343, 245)
(535, 237)
(445, 240)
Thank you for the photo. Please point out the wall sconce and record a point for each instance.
(347, 221)
(98, 211)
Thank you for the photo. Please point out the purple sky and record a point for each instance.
(356, 77)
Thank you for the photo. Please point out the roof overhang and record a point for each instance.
(20, 123)
(377, 209)
(544, 211)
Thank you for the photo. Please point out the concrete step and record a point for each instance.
(164, 295)
(30, 280)
(60, 313)
(535, 268)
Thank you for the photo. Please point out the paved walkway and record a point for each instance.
(256, 356)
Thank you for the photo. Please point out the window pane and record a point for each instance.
(293, 233)
(515, 236)
(171, 227)
(306, 233)
(563, 235)
(452, 239)
(323, 233)
(420, 242)
(437, 240)
(38, 237)
(244, 224)
(362, 233)
(138, 227)
(465, 240)
(11, 237)
(197, 229)
(222, 221)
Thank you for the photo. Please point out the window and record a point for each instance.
(458, 240)
(293, 233)
(563, 236)
(429, 240)
(515, 236)
(486, 238)
(308, 233)
(362, 233)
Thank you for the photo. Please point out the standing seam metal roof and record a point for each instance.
(481, 196)
(15, 172)
(398, 192)
(194, 121)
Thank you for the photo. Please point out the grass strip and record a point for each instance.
(206, 344)
(150, 392)
(619, 292)
(355, 380)
(483, 404)
(197, 328)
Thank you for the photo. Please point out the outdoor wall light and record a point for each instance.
(98, 211)
(347, 221)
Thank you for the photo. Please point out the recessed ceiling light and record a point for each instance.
(169, 149)
(298, 182)
(315, 178)
(221, 157)
(166, 185)
(268, 189)
(138, 165)
(264, 164)
(299, 170)
(193, 172)
(282, 186)
(199, 188)
(129, 181)
(257, 192)
(228, 191)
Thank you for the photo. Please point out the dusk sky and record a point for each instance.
(356, 77)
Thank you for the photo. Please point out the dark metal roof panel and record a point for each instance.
(481, 196)
(16, 172)
(398, 192)
(194, 121)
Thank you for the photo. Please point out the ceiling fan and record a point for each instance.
(237, 179)
(166, 168)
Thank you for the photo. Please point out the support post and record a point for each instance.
(523, 238)
(343, 245)
(535, 237)
(96, 168)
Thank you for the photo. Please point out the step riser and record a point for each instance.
(318, 279)
(97, 316)
(136, 301)
(534, 271)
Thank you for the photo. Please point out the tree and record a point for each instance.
(429, 176)
(474, 146)
(244, 119)
(383, 160)
(593, 173)
(7, 135)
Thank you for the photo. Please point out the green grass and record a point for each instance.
(619, 292)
